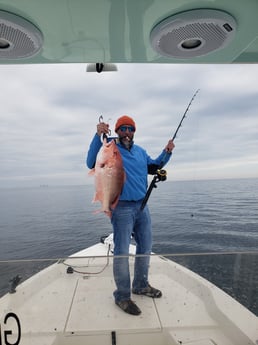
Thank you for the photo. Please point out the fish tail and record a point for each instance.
(107, 212)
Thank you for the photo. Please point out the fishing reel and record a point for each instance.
(161, 175)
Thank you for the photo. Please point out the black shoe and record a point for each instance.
(129, 307)
(149, 291)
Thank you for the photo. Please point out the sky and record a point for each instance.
(49, 115)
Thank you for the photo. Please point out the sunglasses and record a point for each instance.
(124, 128)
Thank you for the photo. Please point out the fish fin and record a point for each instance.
(115, 202)
(92, 172)
(98, 196)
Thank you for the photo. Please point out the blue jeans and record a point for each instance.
(128, 219)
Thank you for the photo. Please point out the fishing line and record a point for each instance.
(73, 268)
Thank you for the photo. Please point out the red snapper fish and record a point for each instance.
(109, 176)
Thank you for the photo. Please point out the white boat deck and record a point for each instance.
(56, 308)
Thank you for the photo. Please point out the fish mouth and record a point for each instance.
(108, 143)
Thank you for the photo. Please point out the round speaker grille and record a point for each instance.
(193, 33)
(18, 37)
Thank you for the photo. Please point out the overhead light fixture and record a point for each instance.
(101, 67)
(193, 33)
(19, 38)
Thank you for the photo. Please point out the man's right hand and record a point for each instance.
(102, 128)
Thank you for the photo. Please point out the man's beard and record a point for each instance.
(126, 141)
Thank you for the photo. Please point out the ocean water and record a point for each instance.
(209, 226)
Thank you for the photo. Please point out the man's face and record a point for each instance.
(126, 134)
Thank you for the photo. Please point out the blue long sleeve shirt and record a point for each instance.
(135, 162)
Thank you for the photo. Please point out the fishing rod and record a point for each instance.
(184, 116)
(161, 174)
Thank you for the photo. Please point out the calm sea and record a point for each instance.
(188, 217)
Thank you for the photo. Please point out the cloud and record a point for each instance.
(49, 115)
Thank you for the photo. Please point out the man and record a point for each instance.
(128, 218)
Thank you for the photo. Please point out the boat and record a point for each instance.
(70, 302)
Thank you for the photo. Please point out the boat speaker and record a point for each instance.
(193, 33)
(19, 38)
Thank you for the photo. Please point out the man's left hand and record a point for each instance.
(170, 146)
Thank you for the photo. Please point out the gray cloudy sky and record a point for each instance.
(49, 114)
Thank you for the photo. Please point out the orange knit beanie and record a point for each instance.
(124, 120)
